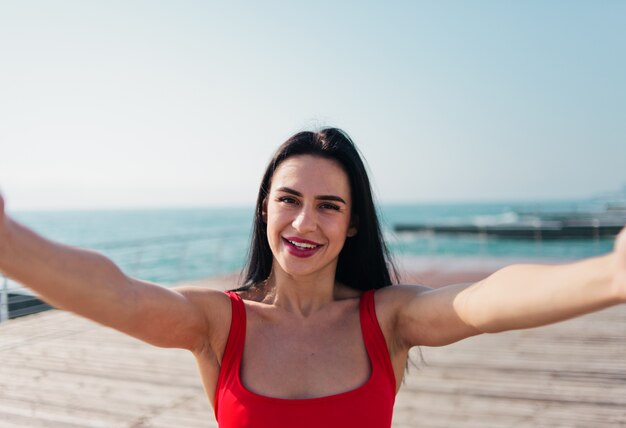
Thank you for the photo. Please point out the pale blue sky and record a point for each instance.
(111, 104)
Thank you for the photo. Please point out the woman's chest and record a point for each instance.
(296, 361)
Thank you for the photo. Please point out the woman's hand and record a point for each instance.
(619, 274)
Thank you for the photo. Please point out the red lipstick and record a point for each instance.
(301, 247)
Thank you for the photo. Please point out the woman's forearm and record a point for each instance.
(82, 281)
(525, 296)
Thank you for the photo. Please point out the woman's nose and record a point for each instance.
(305, 221)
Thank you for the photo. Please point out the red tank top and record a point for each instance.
(368, 406)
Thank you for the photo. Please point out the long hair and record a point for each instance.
(364, 262)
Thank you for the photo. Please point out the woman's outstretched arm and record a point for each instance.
(515, 297)
(89, 284)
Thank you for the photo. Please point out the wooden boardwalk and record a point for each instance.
(58, 370)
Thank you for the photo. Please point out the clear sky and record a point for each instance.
(117, 104)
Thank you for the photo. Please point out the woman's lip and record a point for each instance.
(300, 240)
(300, 252)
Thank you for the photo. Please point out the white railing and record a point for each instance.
(15, 300)
(4, 298)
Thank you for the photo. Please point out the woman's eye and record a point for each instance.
(287, 200)
(330, 207)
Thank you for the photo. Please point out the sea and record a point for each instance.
(170, 246)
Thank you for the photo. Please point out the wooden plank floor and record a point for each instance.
(58, 370)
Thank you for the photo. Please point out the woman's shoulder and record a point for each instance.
(399, 291)
(215, 304)
(255, 293)
(391, 299)
(203, 296)
(385, 298)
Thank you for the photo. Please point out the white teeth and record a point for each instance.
(303, 245)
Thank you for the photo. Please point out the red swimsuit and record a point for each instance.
(368, 406)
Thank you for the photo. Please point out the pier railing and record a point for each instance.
(4, 308)
(166, 260)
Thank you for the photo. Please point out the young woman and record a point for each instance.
(316, 336)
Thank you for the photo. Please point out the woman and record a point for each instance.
(316, 336)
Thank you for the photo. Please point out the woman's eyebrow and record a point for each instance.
(319, 197)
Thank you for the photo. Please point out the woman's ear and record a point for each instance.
(352, 230)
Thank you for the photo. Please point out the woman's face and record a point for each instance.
(307, 212)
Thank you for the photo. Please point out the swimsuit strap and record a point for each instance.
(375, 342)
(233, 351)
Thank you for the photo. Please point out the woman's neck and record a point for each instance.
(302, 295)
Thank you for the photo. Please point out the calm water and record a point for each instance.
(171, 245)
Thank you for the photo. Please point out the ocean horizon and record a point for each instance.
(173, 245)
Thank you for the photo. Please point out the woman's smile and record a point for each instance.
(301, 247)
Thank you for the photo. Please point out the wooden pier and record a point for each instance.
(58, 370)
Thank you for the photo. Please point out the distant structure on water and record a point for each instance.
(590, 223)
